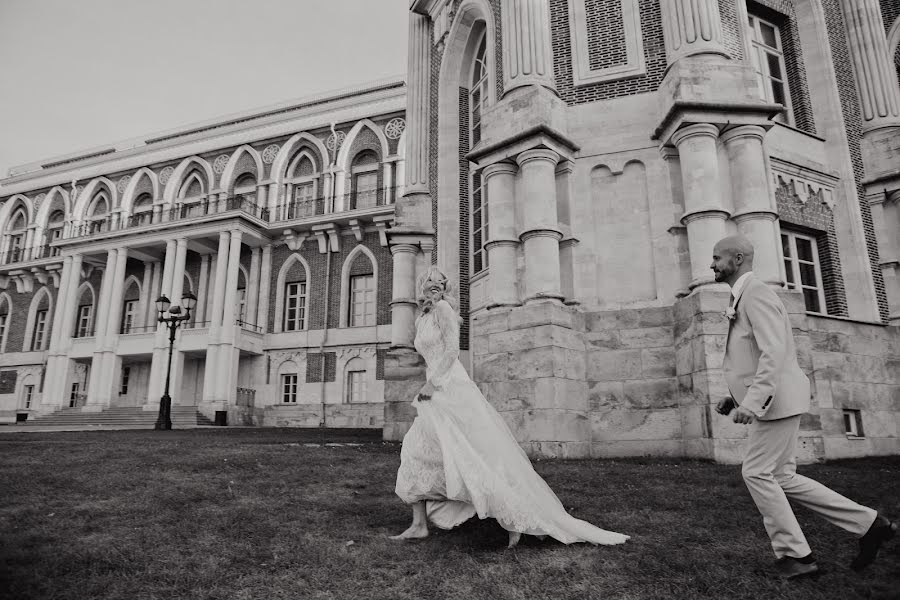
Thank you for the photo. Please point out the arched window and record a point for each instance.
(84, 323)
(364, 173)
(362, 293)
(190, 195)
(356, 383)
(131, 300)
(38, 322)
(245, 187)
(5, 312)
(27, 401)
(478, 97)
(302, 179)
(142, 211)
(16, 232)
(98, 212)
(289, 382)
(55, 227)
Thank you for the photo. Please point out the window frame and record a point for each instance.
(351, 304)
(758, 51)
(300, 319)
(82, 329)
(40, 327)
(795, 261)
(4, 327)
(853, 427)
(128, 316)
(289, 395)
(123, 380)
(354, 391)
(370, 170)
(28, 390)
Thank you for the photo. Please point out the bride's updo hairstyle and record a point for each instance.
(434, 274)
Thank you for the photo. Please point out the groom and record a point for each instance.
(769, 393)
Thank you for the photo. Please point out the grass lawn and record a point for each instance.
(258, 514)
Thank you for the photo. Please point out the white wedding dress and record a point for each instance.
(460, 457)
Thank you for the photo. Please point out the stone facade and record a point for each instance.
(616, 148)
(235, 212)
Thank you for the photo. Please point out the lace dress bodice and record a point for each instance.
(437, 340)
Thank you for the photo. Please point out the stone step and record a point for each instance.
(119, 415)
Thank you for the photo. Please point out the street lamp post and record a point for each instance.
(173, 322)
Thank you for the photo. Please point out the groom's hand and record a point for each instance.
(743, 416)
(427, 391)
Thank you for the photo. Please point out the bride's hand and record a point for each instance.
(427, 391)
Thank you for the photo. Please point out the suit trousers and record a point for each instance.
(770, 472)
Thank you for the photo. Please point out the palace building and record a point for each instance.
(570, 163)
(274, 219)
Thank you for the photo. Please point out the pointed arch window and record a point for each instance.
(5, 311)
(142, 213)
(17, 232)
(190, 195)
(98, 213)
(302, 182)
(478, 98)
(55, 227)
(365, 180)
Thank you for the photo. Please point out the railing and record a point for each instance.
(159, 214)
(25, 254)
(138, 329)
(313, 207)
(246, 397)
(246, 325)
(195, 325)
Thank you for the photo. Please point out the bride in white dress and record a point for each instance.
(459, 458)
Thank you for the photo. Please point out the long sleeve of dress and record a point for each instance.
(448, 322)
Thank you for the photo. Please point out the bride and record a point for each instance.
(459, 458)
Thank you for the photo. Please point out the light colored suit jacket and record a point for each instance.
(761, 366)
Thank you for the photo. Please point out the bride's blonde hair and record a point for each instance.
(435, 274)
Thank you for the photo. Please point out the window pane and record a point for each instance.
(785, 246)
(804, 249)
(769, 35)
(808, 275)
(811, 297)
(774, 65)
(789, 272)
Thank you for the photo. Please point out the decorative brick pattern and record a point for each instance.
(606, 33)
(315, 291)
(654, 55)
(465, 209)
(437, 53)
(850, 105)
(732, 35)
(890, 11)
(314, 367)
(498, 47)
(781, 13)
(815, 219)
(380, 355)
(15, 337)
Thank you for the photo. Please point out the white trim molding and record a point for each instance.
(635, 65)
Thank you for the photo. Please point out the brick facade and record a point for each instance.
(850, 105)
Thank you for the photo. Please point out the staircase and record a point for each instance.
(124, 417)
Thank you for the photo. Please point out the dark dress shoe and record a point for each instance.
(881, 531)
(789, 567)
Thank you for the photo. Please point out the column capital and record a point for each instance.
(565, 166)
(499, 168)
(555, 234)
(708, 213)
(744, 131)
(403, 247)
(537, 154)
(695, 130)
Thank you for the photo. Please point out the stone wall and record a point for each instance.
(856, 366)
(357, 416)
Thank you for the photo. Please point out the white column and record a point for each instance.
(106, 288)
(273, 195)
(225, 352)
(28, 250)
(692, 27)
(262, 193)
(754, 212)
(540, 229)
(231, 283)
(215, 317)
(210, 296)
(876, 76)
(116, 294)
(154, 292)
(527, 54)
(265, 277)
(403, 301)
(202, 289)
(500, 181)
(253, 286)
(418, 106)
(146, 295)
(59, 310)
(178, 271)
(168, 269)
(71, 302)
(387, 180)
(704, 215)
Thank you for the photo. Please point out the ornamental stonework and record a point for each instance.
(165, 174)
(269, 153)
(38, 200)
(123, 183)
(394, 129)
(219, 164)
(335, 140)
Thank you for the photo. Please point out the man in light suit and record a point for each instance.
(769, 393)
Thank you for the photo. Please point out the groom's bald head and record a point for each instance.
(732, 257)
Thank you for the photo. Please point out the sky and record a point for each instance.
(76, 74)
